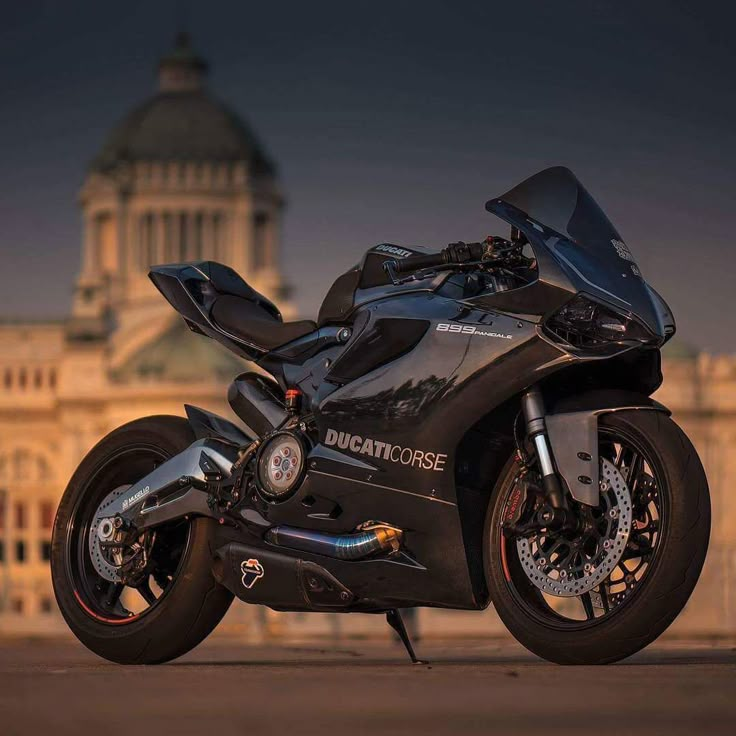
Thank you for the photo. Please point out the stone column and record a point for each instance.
(187, 235)
(175, 254)
(125, 237)
(160, 239)
(240, 238)
(208, 239)
(272, 242)
(198, 247)
(90, 260)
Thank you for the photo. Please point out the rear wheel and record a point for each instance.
(615, 584)
(149, 601)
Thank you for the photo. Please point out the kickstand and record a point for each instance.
(397, 624)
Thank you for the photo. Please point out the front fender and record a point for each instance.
(572, 429)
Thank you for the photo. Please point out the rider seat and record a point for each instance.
(250, 321)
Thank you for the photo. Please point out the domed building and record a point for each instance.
(180, 178)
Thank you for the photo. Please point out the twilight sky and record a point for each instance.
(395, 121)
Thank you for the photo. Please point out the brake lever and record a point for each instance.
(415, 275)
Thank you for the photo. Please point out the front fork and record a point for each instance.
(555, 514)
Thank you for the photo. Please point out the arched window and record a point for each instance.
(105, 242)
(27, 505)
(25, 467)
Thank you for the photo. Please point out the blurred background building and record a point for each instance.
(184, 178)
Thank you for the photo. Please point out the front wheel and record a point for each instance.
(151, 600)
(614, 585)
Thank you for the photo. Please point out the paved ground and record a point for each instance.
(365, 687)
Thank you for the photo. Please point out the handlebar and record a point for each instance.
(414, 263)
(455, 253)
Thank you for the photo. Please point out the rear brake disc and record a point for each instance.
(104, 559)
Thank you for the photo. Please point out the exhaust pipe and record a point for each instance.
(371, 538)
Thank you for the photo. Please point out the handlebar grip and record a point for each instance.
(414, 263)
(458, 253)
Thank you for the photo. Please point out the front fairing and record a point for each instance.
(558, 216)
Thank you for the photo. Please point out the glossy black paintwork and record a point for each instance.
(423, 401)
(369, 281)
(259, 403)
(447, 402)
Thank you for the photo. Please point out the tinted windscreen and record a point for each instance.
(582, 238)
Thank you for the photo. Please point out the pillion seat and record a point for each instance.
(249, 321)
(215, 301)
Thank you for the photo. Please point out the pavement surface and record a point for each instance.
(225, 687)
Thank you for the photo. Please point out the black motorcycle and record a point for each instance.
(460, 428)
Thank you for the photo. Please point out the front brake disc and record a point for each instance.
(570, 567)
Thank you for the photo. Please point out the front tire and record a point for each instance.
(190, 602)
(669, 578)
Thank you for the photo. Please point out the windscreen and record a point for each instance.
(580, 236)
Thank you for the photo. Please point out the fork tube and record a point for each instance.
(532, 404)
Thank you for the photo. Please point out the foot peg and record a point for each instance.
(397, 624)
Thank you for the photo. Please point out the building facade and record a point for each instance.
(183, 178)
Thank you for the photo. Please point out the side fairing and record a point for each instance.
(467, 362)
(388, 437)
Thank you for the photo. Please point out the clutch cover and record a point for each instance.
(280, 466)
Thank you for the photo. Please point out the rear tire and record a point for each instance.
(191, 605)
(666, 586)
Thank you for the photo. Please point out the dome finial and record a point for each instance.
(182, 69)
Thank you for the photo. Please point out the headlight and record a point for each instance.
(584, 323)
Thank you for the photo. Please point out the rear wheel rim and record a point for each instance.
(645, 479)
(114, 603)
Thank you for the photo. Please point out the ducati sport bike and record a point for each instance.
(456, 429)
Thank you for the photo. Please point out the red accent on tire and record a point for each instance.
(504, 563)
(114, 621)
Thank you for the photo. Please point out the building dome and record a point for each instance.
(182, 122)
(180, 179)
